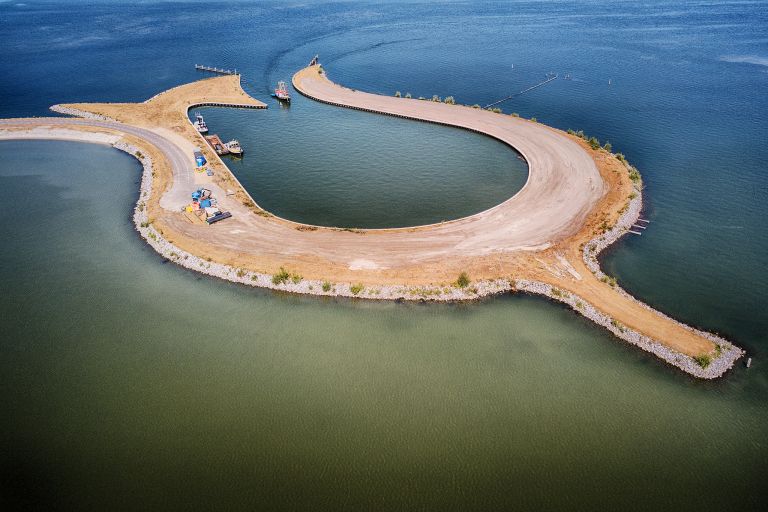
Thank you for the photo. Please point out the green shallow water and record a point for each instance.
(126, 383)
(331, 166)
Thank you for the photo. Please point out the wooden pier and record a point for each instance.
(220, 71)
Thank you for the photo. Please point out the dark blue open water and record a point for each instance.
(128, 384)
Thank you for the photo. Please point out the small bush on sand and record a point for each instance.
(281, 277)
(463, 280)
(703, 360)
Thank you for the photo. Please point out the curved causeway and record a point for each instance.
(543, 240)
(563, 183)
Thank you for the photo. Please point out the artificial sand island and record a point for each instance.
(544, 240)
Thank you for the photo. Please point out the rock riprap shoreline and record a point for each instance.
(728, 355)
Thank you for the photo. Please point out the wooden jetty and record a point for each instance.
(217, 144)
(220, 71)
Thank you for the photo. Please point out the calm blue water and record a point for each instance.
(110, 400)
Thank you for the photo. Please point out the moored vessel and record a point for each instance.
(234, 147)
(281, 93)
(217, 144)
(199, 123)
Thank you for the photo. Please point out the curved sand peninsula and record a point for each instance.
(542, 240)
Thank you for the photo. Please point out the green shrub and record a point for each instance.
(397, 94)
(593, 142)
(408, 95)
(449, 100)
(515, 114)
(607, 146)
(463, 280)
(475, 106)
(281, 277)
(296, 278)
(620, 157)
(326, 286)
(356, 288)
(534, 120)
(436, 98)
(703, 360)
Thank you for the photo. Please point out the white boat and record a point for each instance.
(234, 147)
(199, 123)
(281, 93)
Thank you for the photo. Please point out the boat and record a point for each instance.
(234, 147)
(281, 93)
(199, 123)
(217, 144)
(219, 216)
